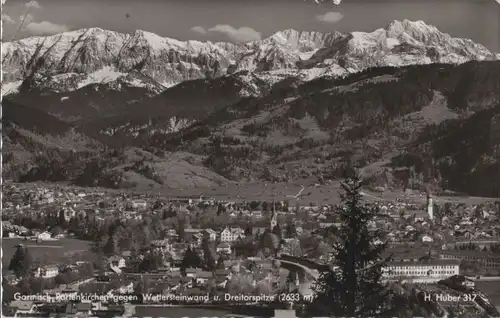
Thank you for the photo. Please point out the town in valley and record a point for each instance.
(250, 159)
(140, 251)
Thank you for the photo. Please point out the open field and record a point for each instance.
(312, 193)
(266, 192)
(258, 191)
(261, 191)
(51, 252)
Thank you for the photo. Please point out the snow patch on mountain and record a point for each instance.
(105, 75)
(173, 125)
(332, 70)
(144, 59)
(10, 88)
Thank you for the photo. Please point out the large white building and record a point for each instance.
(231, 234)
(47, 271)
(485, 259)
(139, 204)
(224, 248)
(44, 236)
(428, 269)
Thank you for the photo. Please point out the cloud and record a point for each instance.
(42, 27)
(241, 35)
(7, 19)
(335, 2)
(33, 4)
(199, 29)
(330, 17)
(45, 28)
(26, 18)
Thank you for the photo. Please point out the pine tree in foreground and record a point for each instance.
(354, 287)
(21, 262)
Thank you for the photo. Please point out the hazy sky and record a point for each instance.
(244, 20)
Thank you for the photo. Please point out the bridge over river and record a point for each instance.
(308, 271)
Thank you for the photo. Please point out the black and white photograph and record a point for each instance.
(250, 158)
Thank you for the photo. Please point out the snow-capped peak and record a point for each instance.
(303, 41)
(415, 28)
(81, 54)
(156, 42)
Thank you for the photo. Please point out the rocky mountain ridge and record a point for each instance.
(295, 105)
(402, 126)
(71, 60)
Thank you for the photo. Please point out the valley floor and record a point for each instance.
(300, 191)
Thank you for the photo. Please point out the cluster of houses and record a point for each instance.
(422, 245)
(14, 231)
(45, 271)
(30, 200)
(226, 237)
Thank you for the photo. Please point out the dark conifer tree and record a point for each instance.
(354, 286)
(248, 230)
(21, 262)
(111, 247)
(62, 219)
(208, 253)
(191, 260)
(291, 230)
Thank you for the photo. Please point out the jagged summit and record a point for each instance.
(159, 43)
(302, 40)
(78, 54)
(415, 31)
(407, 25)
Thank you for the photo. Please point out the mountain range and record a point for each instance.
(294, 105)
(72, 60)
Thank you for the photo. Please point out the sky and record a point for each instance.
(247, 20)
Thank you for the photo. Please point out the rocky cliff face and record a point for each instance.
(93, 55)
(71, 60)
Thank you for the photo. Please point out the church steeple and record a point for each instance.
(274, 219)
(430, 204)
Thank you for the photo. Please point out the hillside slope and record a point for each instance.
(321, 127)
(32, 137)
(40, 147)
(176, 107)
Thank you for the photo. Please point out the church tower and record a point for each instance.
(430, 205)
(274, 218)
